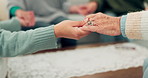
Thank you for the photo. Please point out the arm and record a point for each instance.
(11, 25)
(18, 43)
(14, 5)
(24, 42)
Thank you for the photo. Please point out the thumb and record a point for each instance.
(78, 23)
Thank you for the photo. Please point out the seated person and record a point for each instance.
(133, 26)
(41, 13)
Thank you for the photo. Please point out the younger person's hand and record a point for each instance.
(70, 29)
(27, 18)
(103, 24)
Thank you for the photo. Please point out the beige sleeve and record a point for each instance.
(4, 15)
(137, 25)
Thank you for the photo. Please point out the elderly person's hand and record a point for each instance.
(70, 29)
(27, 18)
(103, 24)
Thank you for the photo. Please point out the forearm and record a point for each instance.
(19, 43)
(11, 25)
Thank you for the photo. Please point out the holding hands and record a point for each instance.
(99, 23)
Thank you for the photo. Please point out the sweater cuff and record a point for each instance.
(122, 25)
(13, 10)
(133, 25)
(44, 38)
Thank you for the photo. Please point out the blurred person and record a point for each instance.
(42, 13)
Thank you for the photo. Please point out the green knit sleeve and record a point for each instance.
(13, 10)
(25, 42)
(11, 25)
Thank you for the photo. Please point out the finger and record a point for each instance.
(32, 23)
(81, 33)
(91, 16)
(77, 23)
(23, 23)
(89, 28)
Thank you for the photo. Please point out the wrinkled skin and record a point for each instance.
(103, 24)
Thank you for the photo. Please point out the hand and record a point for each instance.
(70, 29)
(26, 18)
(79, 9)
(92, 7)
(103, 24)
(84, 9)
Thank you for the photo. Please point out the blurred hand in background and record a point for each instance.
(27, 18)
(84, 9)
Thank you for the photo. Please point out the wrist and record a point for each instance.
(118, 24)
(18, 12)
(56, 31)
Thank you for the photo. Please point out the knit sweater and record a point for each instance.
(121, 7)
(45, 10)
(136, 26)
(22, 42)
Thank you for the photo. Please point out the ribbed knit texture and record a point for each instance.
(24, 42)
(144, 25)
(133, 25)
